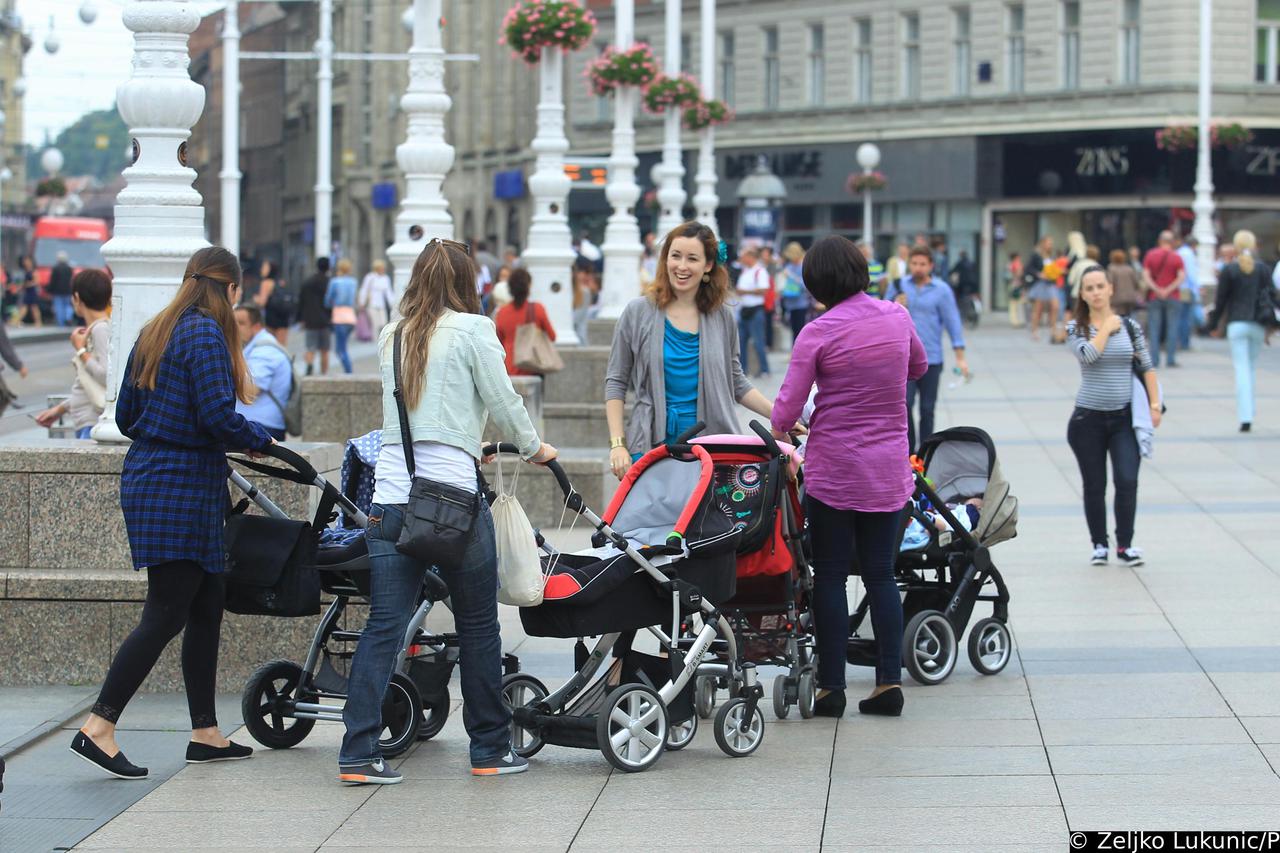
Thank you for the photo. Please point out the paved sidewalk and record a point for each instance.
(1141, 699)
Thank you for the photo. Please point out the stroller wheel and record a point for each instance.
(435, 713)
(780, 705)
(401, 715)
(737, 736)
(704, 696)
(929, 648)
(518, 690)
(632, 727)
(681, 734)
(990, 646)
(807, 692)
(267, 705)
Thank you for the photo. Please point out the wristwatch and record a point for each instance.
(80, 352)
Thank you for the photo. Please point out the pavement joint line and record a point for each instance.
(48, 727)
(831, 769)
(1044, 746)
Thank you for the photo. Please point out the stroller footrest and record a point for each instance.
(559, 729)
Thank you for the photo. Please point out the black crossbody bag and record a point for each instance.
(439, 517)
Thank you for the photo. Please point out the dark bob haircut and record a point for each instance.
(93, 286)
(834, 269)
(519, 285)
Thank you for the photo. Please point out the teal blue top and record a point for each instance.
(680, 373)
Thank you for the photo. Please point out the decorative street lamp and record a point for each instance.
(230, 174)
(868, 156)
(760, 193)
(670, 172)
(51, 41)
(1205, 233)
(705, 200)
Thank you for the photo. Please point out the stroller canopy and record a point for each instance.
(961, 462)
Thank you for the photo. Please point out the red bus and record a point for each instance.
(80, 238)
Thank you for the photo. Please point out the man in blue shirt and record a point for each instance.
(933, 307)
(271, 369)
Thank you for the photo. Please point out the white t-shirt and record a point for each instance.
(753, 284)
(443, 463)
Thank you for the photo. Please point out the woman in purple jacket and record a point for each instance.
(858, 478)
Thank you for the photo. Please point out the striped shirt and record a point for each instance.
(1106, 378)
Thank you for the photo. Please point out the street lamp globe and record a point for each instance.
(406, 20)
(20, 86)
(868, 155)
(51, 41)
(5, 174)
(51, 161)
(88, 11)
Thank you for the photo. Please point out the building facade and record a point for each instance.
(15, 219)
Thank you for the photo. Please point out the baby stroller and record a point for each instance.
(948, 574)
(282, 700)
(757, 487)
(663, 553)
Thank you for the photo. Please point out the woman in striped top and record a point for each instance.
(1107, 347)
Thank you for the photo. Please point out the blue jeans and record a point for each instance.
(751, 327)
(1186, 317)
(1162, 322)
(63, 313)
(341, 334)
(395, 584)
(837, 535)
(927, 387)
(1246, 343)
(84, 432)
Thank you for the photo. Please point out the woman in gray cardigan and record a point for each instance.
(676, 350)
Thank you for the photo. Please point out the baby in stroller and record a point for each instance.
(924, 520)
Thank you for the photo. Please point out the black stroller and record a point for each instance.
(950, 571)
(282, 699)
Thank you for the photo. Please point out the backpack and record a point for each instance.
(291, 409)
(283, 301)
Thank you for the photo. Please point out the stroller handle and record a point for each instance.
(562, 479)
(767, 437)
(293, 460)
(689, 434)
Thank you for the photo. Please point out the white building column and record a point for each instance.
(159, 218)
(230, 174)
(622, 249)
(324, 133)
(705, 199)
(670, 172)
(549, 250)
(424, 157)
(1203, 230)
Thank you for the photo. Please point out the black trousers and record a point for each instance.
(180, 595)
(927, 386)
(1094, 435)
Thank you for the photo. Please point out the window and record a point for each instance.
(602, 103)
(726, 67)
(862, 61)
(817, 64)
(686, 53)
(1268, 59)
(772, 80)
(962, 52)
(911, 55)
(1130, 36)
(1071, 44)
(1015, 48)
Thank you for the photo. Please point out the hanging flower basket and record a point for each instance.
(664, 92)
(51, 188)
(531, 25)
(706, 114)
(863, 182)
(634, 66)
(1181, 137)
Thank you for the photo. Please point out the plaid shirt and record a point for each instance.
(173, 489)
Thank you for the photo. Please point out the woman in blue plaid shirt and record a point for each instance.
(177, 403)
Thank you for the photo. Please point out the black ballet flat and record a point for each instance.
(202, 753)
(115, 765)
(886, 704)
(831, 705)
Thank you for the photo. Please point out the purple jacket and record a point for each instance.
(861, 354)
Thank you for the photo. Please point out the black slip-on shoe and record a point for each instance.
(886, 704)
(202, 753)
(831, 705)
(115, 765)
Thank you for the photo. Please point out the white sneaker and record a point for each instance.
(1129, 556)
(1099, 556)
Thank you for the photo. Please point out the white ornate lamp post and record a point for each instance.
(230, 174)
(1205, 234)
(159, 220)
(622, 249)
(868, 156)
(670, 172)
(324, 134)
(705, 200)
(424, 157)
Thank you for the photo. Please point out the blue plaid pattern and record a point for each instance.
(173, 489)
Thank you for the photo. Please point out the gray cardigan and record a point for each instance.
(636, 364)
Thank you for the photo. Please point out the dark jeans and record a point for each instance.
(63, 313)
(927, 386)
(1162, 328)
(1092, 435)
(395, 581)
(837, 535)
(342, 334)
(798, 318)
(751, 325)
(180, 595)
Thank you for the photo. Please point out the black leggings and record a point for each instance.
(1094, 435)
(179, 594)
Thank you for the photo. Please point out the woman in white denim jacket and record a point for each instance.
(453, 377)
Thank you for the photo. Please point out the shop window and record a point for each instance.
(846, 218)
(862, 61)
(1016, 48)
(1130, 40)
(911, 56)
(1268, 46)
(798, 217)
(963, 52)
(1071, 44)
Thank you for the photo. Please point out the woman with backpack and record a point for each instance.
(277, 301)
(1245, 311)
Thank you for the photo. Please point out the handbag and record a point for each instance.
(534, 350)
(439, 517)
(520, 577)
(364, 327)
(92, 388)
(271, 567)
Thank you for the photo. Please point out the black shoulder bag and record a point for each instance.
(439, 517)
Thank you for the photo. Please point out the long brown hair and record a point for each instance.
(204, 287)
(443, 279)
(1082, 308)
(711, 293)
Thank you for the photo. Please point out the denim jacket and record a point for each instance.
(466, 383)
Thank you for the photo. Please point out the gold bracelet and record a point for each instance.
(616, 442)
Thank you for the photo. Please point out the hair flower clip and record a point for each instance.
(722, 254)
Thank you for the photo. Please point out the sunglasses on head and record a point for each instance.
(454, 244)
